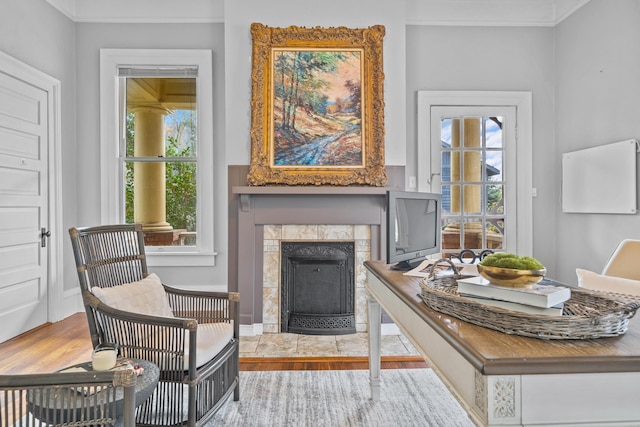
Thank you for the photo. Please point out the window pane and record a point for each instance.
(494, 165)
(455, 166)
(180, 200)
(445, 132)
(472, 235)
(160, 119)
(456, 200)
(446, 198)
(151, 101)
(451, 234)
(446, 166)
(495, 201)
(472, 166)
(494, 231)
(472, 183)
(472, 199)
(181, 134)
(472, 132)
(493, 132)
(454, 133)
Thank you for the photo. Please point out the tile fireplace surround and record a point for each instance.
(274, 235)
(261, 217)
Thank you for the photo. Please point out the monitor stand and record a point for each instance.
(407, 265)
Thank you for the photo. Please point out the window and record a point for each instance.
(472, 183)
(475, 148)
(157, 150)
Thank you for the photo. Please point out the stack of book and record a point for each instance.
(537, 299)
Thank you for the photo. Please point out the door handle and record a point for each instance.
(44, 233)
(430, 180)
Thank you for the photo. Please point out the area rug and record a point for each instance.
(408, 397)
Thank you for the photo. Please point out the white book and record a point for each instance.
(539, 295)
(556, 310)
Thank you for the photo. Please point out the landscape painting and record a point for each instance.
(317, 108)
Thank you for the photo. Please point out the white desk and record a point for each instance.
(507, 380)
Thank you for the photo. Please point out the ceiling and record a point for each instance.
(418, 12)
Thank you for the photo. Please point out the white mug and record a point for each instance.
(104, 358)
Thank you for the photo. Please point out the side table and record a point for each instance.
(145, 385)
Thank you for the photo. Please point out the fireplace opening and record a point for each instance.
(317, 288)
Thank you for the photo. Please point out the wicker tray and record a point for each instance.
(586, 315)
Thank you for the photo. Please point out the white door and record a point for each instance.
(473, 150)
(24, 143)
(497, 193)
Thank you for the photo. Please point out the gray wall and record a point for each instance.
(91, 38)
(327, 13)
(583, 76)
(492, 59)
(597, 102)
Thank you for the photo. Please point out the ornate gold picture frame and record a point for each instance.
(317, 106)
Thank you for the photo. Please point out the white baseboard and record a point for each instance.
(72, 303)
(251, 330)
(389, 329)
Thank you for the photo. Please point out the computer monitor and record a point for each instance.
(413, 227)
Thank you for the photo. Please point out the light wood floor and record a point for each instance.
(57, 345)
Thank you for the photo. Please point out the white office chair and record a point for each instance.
(625, 261)
(621, 274)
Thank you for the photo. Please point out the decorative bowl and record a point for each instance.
(511, 277)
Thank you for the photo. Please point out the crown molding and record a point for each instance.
(418, 12)
(544, 13)
(142, 11)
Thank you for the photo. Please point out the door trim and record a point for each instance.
(20, 70)
(522, 101)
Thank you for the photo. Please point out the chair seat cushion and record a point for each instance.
(212, 338)
(599, 282)
(146, 296)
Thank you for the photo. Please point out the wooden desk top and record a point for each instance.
(495, 353)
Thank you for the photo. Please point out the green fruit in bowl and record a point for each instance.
(506, 269)
(507, 260)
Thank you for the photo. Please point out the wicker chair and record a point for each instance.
(68, 399)
(190, 390)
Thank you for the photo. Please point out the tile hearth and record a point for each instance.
(273, 343)
(292, 345)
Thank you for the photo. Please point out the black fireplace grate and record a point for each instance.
(318, 288)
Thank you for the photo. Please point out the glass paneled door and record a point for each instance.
(473, 149)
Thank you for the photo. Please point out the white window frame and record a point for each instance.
(428, 100)
(111, 208)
